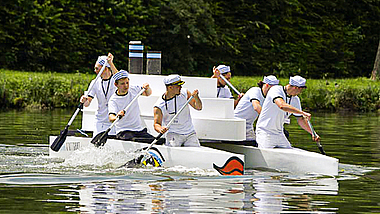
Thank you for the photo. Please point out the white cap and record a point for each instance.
(173, 79)
(271, 80)
(120, 75)
(223, 69)
(298, 81)
(101, 60)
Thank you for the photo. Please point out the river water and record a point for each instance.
(31, 182)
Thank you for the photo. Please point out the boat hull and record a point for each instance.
(225, 163)
(288, 160)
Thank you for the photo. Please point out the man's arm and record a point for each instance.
(86, 100)
(302, 121)
(288, 108)
(148, 90)
(216, 73)
(158, 121)
(110, 62)
(112, 117)
(196, 103)
(238, 99)
(256, 106)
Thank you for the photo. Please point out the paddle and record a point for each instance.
(315, 134)
(138, 160)
(101, 138)
(58, 142)
(229, 84)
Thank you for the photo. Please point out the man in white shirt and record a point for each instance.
(250, 104)
(103, 89)
(279, 101)
(222, 89)
(181, 131)
(129, 127)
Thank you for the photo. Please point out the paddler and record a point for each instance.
(250, 104)
(130, 126)
(223, 91)
(181, 132)
(103, 89)
(280, 102)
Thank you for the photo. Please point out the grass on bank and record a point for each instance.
(41, 90)
(60, 90)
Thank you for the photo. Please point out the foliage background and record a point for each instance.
(55, 90)
(315, 38)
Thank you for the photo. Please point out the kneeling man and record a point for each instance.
(279, 103)
(181, 131)
(129, 127)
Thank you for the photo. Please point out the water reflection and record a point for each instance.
(82, 185)
(271, 194)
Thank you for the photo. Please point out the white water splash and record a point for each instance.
(98, 157)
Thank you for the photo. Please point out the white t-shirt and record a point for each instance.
(183, 123)
(244, 108)
(223, 92)
(131, 120)
(102, 90)
(271, 120)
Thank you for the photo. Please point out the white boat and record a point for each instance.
(216, 123)
(289, 160)
(226, 163)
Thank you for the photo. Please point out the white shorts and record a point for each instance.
(174, 139)
(265, 140)
(250, 134)
(101, 127)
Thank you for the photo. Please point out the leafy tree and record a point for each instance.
(184, 31)
(68, 35)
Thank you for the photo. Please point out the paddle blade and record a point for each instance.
(153, 157)
(321, 149)
(100, 139)
(134, 163)
(58, 142)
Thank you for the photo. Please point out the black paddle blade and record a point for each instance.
(134, 163)
(58, 142)
(321, 149)
(100, 139)
(153, 158)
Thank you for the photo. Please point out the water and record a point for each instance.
(31, 182)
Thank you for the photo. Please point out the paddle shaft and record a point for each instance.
(86, 93)
(126, 108)
(170, 122)
(314, 135)
(229, 84)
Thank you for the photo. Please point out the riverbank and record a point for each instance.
(60, 90)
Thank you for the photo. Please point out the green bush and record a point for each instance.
(41, 90)
(59, 90)
(359, 94)
(317, 39)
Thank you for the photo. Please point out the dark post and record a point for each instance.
(376, 66)
(135, 65)
(153, 62)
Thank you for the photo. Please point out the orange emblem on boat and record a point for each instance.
(233, 166)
